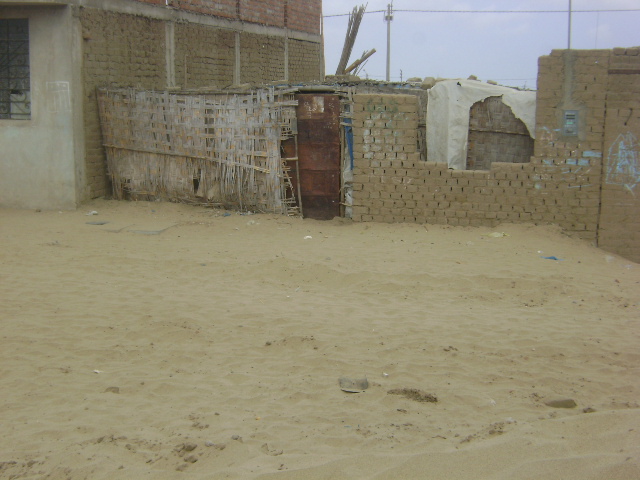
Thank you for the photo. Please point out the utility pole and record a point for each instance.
(569, 30)
(388, 17)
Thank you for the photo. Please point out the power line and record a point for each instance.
(347, 14)
(519, 11)
(492, 11)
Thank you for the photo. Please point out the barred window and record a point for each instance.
(15, 89)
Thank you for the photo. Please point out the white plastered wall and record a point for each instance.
(40, 163)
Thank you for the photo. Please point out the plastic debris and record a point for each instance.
(552, 258)
(561, 403)
(353, 385)
(496, 234)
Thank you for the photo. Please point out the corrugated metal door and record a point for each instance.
(319, 154)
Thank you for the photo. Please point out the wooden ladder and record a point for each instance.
(293, 205)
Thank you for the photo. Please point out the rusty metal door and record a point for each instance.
(319, 154)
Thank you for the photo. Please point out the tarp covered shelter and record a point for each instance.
(448, 116)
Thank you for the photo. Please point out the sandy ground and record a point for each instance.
(180, 342)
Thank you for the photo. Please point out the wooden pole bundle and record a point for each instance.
(350, 39)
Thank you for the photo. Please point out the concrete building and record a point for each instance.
(55, 53)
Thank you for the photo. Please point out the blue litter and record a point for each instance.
(226, 214)
(349, 135)
(552, 258)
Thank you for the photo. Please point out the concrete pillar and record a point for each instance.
(286, 55)
(170, 53)
(236, 69)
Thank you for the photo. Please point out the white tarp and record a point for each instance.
(448, 116)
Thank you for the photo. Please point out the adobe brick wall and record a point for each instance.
(301, 69)
(391, 183)
(130, 51)
(496, 135)
(571, 80)
(118, 50)
(620, 211)
(209, 55)
(587, 184)
(602, 86)
(300, 15)
(261, 58)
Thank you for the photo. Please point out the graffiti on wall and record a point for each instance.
(548, 136)
(622, 161)
(579, 168)
(59, 98)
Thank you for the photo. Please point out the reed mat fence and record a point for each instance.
(207, 149)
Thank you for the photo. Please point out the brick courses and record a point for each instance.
(130, 51)
(580, 183)
(119, 50)
(495, 134)
(620, 211)
(208, 53)
(304, 16)
(265, 12)
(414, 191)
(219, 8)
(300, 15)
(301, 69)
(261, 58)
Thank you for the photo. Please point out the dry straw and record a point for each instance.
(210, 149)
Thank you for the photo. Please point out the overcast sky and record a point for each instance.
(493, 46)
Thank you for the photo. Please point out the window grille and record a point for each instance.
(15, 90)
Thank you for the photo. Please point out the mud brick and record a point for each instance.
(360, 210)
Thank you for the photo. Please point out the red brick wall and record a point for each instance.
(219, 8)
(304, 15)
(300, 15)
(265, 12)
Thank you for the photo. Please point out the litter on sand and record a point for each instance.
(496, 234)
